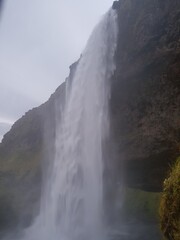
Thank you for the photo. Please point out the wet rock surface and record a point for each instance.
(145, 95)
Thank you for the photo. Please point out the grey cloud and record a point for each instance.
(39, 39)
(13, 104)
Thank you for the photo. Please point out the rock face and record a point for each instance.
(21, 152)
(146, 90)
(1, 3)
(144, 106)
(29, 142)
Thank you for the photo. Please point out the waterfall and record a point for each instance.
(72, 204)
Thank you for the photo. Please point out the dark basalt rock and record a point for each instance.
(146, 90)
(1, 4)
(116, 5)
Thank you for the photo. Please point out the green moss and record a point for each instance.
(19, 163)
(141, 205)
(170, 204)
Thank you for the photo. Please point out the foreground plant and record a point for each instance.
(170, 204)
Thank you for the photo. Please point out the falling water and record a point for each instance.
(72, 205)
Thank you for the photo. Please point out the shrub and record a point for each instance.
(170, 204)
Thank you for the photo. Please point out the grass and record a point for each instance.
(141, 205)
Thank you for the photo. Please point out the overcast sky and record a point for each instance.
(39, 39)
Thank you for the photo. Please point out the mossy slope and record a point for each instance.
(141, 205)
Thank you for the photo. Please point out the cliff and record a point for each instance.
(1, 2)
(144, 108)
(30, 142)
(146, 91)
(22, 150)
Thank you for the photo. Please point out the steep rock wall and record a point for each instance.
(146, 90)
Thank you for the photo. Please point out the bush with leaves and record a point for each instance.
(170, 204)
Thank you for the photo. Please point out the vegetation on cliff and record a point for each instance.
(170, 204)
(141, 205)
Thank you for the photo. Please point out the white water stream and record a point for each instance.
(72, 204)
